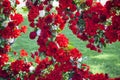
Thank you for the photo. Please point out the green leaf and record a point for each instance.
(70, 47)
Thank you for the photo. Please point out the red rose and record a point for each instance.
(3, 59)
(17, 66)
(16, 33)
(62, 40)
(6, 3)
(33, 35)
(17, 2)
(24, 29)
(48, 19)
(52, 49)
(18, 18)
(33, 13)
(23, 53)
(75, 53)
(89, 2)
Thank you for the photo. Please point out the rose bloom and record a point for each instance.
(18, 18)
(17, 66)
(33, 13)
(75, 53)
(52, 49)
(6, 3)
(62, 40)
(3, 59)
(48, 19)
(24, 29)
(23, 53)
(33, 35)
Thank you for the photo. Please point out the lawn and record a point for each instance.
(106, 62)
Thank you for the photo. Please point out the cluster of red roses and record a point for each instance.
(97, 24)
(9, 30)
(9, 21)
(55, 58)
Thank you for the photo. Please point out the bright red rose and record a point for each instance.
(16, 33)
(33, 13)
(61, 56)
(52, 49)
(3, 59)
(24, 29)
(18, 18)
(23, 53)
(74, 28)
(90, 28)
(75, 53)
(62, 40)
(37, 59)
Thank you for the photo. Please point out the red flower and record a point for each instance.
(59, 20)
(6, 33)
(56, 74)
(48, 19)
(75, 53)
(89, 2)
(111, 34)
(17, 2)
(17, 66)
(42, 65)
(7, 11)
(23, 53)
(98, 77)
(18, 78)
(90, 28)
(52, 49)
(24, 29)
(26, 67)
(6, 3)
(62, 40)
(16, 33)
(61, 56)
(32, 77)
(33, 35)
(74, 28)
(37, 60)
(33, 13)
(3, 59)
(3, 73)
(6, 48)
(12, 24)
(18, 18)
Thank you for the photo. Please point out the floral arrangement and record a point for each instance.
(9, 22)
(55, 58)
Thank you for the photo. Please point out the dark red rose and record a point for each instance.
(33, 35)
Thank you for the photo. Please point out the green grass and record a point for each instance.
(106, 62)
